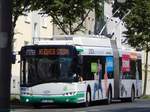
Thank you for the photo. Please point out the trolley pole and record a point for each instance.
(5, 54)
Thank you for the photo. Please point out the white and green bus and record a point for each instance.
(75, 69)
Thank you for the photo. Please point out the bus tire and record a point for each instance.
(130, 99)
(88, 98)
(109, 97)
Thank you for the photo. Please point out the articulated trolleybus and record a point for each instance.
(75, 69)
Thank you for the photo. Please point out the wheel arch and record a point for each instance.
(133, 87)
(110, 88)
(88, 89)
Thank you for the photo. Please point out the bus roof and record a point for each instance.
(95, 41)
(85, 41)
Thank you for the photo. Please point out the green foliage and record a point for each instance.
(69, 15)
(98, 4)
(138, 25)
(124, 7)
(146, 97)
(18, 9)
(137, 22)
(20, 6)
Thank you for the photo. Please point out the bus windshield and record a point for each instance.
(38, 70)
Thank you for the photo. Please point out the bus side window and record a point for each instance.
(132, 69)
(139, 65)
(88, 75)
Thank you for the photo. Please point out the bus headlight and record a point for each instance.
(69, 94)
(27, 100)
(26, 91)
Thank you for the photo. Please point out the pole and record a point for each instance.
(123, 17)
(116, 26)
(5, 54)
(108, 21)
(119, 1)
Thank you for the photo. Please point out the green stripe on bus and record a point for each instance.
(79, 97)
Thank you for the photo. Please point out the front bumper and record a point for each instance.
(78, 98)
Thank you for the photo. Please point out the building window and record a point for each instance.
(89, 32)
(26, 42)
(35, 30)
(14, 83)
(133, 69)
(44, 22)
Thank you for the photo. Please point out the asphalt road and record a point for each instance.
(139, 105)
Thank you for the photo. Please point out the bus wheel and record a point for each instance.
(88, 99)
(109, 97)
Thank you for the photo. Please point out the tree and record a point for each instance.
(68, 15)
(19, 7)
(123, 7)
(99, 17)
(138, 29)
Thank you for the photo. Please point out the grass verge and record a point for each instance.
(146, 97)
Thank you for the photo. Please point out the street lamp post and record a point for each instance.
(5, 54)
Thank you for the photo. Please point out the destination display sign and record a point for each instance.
(53, 51)
(47, 51)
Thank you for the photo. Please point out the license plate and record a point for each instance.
(47, 101)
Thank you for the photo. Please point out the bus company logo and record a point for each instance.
(91, 51)
(65, 88)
